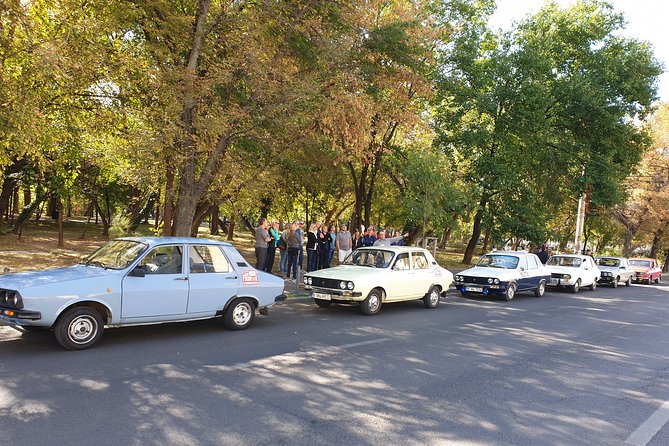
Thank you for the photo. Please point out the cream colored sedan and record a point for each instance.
(373, 276)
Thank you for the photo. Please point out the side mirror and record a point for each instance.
(137, 272)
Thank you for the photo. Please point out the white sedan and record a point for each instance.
(573, 271)
(375, 275)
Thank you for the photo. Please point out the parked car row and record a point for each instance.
(505, 273)
(150, 280)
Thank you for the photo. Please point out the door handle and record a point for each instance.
(181, 278)
(231, 278)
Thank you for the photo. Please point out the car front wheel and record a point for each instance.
(79, 328)
(510, 292)
(658, 279)
(575, 287)
(372, 304)
(629, 281)
(431, 300)
(593, 285)
(239, 315)
(615, 282)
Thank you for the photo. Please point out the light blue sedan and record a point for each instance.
(139, 280)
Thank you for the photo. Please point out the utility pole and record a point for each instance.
(580, 220)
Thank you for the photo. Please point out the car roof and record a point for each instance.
(154, 241)
(510, 253)
(643, 258)
(395, 248)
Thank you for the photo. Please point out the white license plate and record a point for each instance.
(553, 282)
(474, 289)
(322, 296)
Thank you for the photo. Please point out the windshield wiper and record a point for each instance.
(367, 264)
(96, 263)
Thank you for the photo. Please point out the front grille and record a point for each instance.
(325, 283)
(477, 280)
(556, 276)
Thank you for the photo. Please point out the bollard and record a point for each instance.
(298, 280)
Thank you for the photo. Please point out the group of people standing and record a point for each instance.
(321, 243)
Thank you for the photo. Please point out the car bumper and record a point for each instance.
(18, 317)
(485, 290)
(337, 296)
(606, 279)
(561, 282)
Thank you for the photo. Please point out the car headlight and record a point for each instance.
(342, 285)
(350, 285)
(305, 280)
(489, 280)
(566, 276)
(458, 278)
(496, 281)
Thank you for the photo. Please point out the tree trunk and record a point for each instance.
(8, 185)
(213, 225)
(446, 235)
(28, 210)
(168, 203)
(61, 237)
(476, 231)
(657, 239)
(231, 226)
(486, 240)
(103, 217)
(627, 244)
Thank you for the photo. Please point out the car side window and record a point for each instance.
(163, 260)
(522, 262)
(420, 261)
(532, 262)
(402, 262)
(207, 259)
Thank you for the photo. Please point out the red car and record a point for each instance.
(646, 270)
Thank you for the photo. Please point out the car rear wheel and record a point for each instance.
(593, 285)
(648, 281)
(577, 286)
(431, 299)
(239, 315)
(510, 292)
(323, 303)
(658, 279)
(79, 328)
(629, 281)
(615, 282)
(540, 290)
(372, 304)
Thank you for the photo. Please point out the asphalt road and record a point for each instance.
(567, 369)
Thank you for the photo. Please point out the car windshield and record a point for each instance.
(498, 261)
(374, 258)
(573, 262)
(116, 254)
(609, 262)
(641, 263)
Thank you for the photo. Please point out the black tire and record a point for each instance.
(577, 286)
(323, 303)
(79, 328)
(648, 281)
(615, 282)
(431, 299)
(540, 290)
(658, 279)
(239, 314)
(372, 303)
(510, 293)
(629, 281)
(593, 285)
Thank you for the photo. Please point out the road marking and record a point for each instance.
(278, 361)
(647, 430)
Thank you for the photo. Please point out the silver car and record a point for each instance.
(137, 281)
(615, 270)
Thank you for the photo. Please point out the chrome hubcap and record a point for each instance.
(242, 313)
(374, 302)
(82, 329)
(434, 297)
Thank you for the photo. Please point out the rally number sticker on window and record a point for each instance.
(250, 278)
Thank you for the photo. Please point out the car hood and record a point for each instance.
(563, 269)
(640, 269)
(610, 269)
(346, 272)
(19, 281)
(482, 271)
